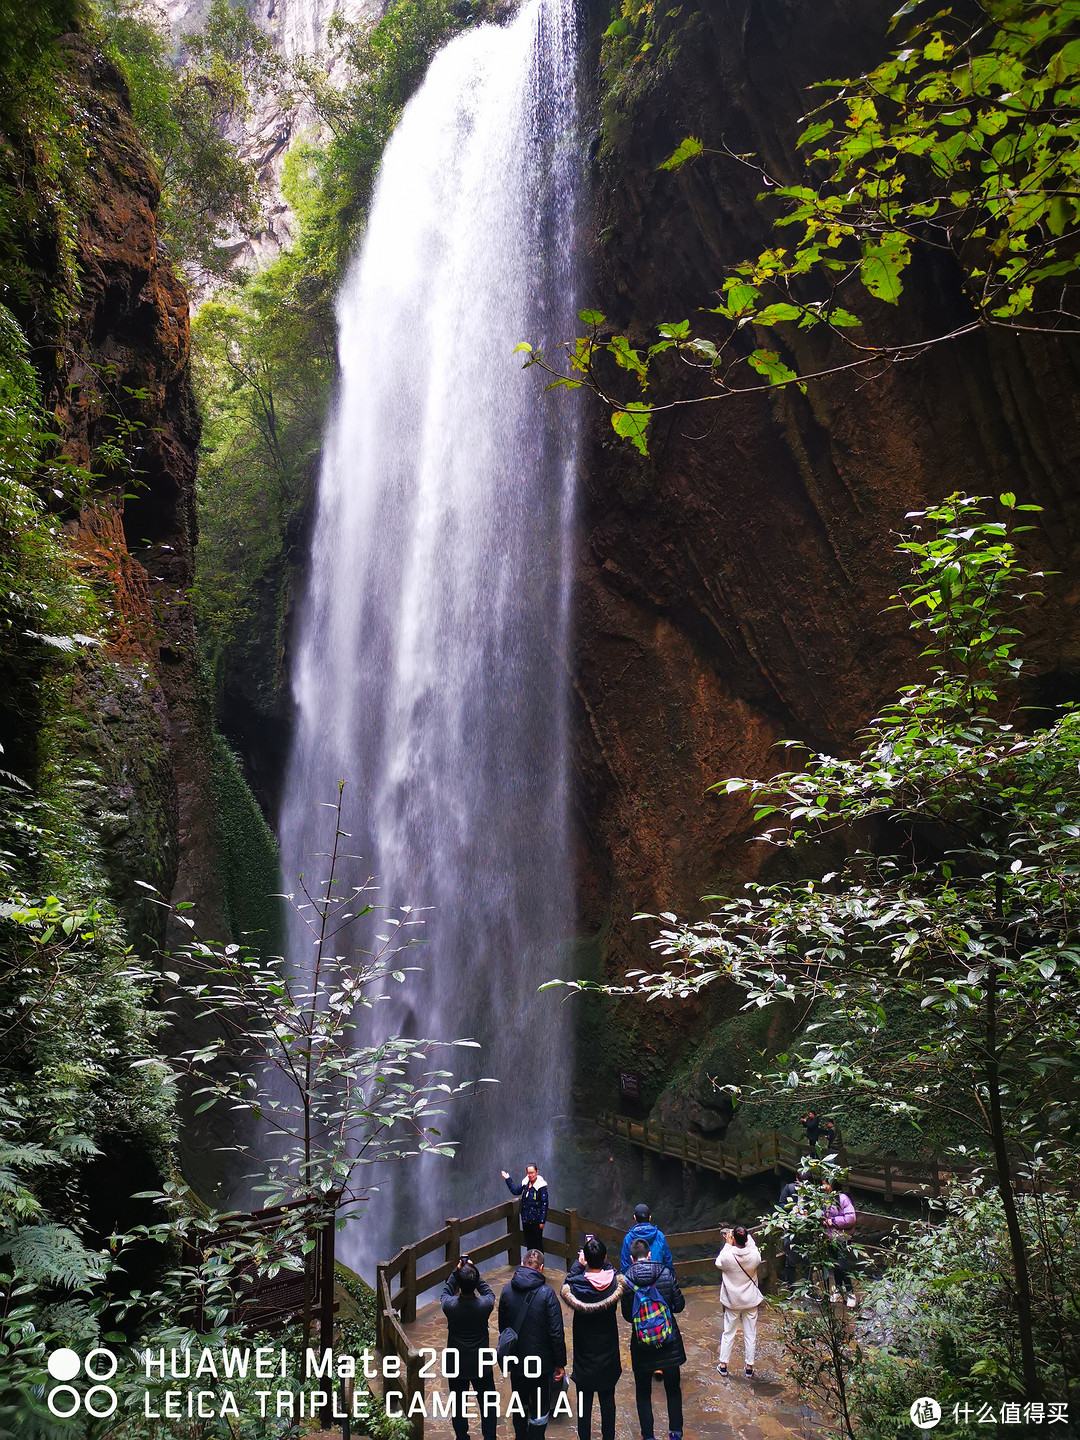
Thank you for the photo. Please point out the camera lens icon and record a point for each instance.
(925, 1412)
(64, 1400)
(63, 1364)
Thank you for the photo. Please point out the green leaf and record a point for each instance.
(815, 132)
(633, 424)
(689, 149)
(625, 356)
(591, 317)
(776, 314)
(522, 348)
(881, 266)
(740, 299)
(769, 364)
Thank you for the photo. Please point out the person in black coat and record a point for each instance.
(812, 1125)
(593, 1291)
(530, 1306)
(665, 1358)
(467, 1301)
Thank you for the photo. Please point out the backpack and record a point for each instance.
(650, 1322)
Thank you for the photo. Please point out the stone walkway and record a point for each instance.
(765, 1408)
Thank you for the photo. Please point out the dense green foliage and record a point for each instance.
(46, 140)
(963, 906)
(39, 593)
(962, 142)
(637, 56)
(186, 113)
(265, 344)
(76, 1023)
(250, 865)
(941, 1319)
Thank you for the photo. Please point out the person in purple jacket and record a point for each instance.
(840, 1220)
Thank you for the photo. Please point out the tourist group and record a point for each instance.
(643, 1289)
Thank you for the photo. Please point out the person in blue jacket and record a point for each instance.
(644, 1229)
(534, 1205)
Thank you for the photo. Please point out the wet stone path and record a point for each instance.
(715, 1408)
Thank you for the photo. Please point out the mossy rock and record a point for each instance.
(733, 1053)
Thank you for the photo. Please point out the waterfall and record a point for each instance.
(431, 663)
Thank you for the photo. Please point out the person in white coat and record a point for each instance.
(738, 1262)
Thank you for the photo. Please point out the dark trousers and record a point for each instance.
(643, 1396)
(607, 1413)
(842, 1266)
(792, 1259)
(534, 1236)
(484, 1386)
(536, 1400)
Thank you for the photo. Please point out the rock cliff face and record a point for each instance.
(732, 592)
(117, 372)
(296, 28)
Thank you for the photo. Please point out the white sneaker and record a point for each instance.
(851, 1302)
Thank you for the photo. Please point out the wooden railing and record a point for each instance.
(876, 1171)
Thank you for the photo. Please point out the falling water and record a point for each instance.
(431, 663)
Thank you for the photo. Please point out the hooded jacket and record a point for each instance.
(593, 1297)
(840, 1218)
(641, 1275)
(657, 1243)
(534, 1199)
(540, 1331)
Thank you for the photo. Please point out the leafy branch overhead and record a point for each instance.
(963, 142)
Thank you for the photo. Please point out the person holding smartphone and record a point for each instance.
(738, 1262)
(467, 1301)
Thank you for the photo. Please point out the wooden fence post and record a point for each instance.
(408, 1287)
(326, 1307)
(775, 1153)
(414, 1385)
(935, 1178)
(513, 1236)
(380, 1324)
(887, 1167)
(453, 1243)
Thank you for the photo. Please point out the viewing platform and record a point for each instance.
(409, 1318)
(715, 1408)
